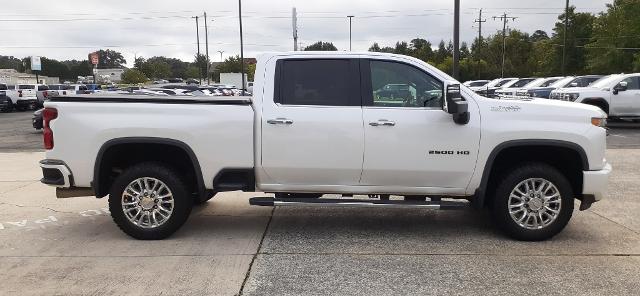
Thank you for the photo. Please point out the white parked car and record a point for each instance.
(476, 84)
(618, 95)
(318, 125)
(509, 89)
(490, 88)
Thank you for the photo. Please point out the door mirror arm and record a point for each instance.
(454, 104)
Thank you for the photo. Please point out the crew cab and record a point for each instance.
(25, 96)
(319, 124)
(618, 95)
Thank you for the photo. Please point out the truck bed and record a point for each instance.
(218, 130)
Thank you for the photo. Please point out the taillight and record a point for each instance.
(45, 93)
(48, 114)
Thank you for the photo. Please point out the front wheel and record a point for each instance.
(149, 201)
(533, 202)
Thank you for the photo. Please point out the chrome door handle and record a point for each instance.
(382, 122)
(280, 121)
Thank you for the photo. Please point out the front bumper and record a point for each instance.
(56, 173)
(595, 183)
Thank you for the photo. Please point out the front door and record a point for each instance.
(312, 131)
(409, 141)
(627, 102)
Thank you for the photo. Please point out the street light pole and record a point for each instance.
(456, 39)
(206, 40)
(241, 47)
(220, 51)
(350, 18)
(198, 42)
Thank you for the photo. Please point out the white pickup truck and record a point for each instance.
(318, 123)
(618, 95)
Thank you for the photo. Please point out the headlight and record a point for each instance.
(572, 96)
(599, 121)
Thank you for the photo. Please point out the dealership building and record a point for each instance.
(13, 77)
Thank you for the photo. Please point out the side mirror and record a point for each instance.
(454, 104)
(622, 86)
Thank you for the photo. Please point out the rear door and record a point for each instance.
(312, 130)
(411, 144)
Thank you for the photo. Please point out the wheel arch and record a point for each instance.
(598, 102)
(579, 158)
(104, 159)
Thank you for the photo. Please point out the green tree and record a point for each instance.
(579, 31)
(192, 72)
(613, 30)
(321, 46)
(133, 76)
(110, 59)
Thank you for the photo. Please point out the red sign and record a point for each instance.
(94, 58)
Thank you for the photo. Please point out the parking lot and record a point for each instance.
(70, 246)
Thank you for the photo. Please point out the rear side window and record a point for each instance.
(323, 82)
(43, 87)
(26, 86)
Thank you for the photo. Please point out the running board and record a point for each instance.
(360, 203)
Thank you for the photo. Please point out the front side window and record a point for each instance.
(632, 82)
(400, 85)
(323, 82)
(521, 83)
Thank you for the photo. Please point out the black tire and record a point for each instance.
(9, 107)
(183, 202)
(297, 195)
(508, 183)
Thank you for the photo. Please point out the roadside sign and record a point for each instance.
(94, 58)
(36, 63)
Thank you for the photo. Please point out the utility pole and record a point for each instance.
(294, 20)
(504, 18)
(221, 51)
(198, 42)
(564, 43)
(456, 39)
(206, 40)
(479, 21)
(241, 47)
(350, 17)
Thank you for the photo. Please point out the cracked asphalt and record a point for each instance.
(71, 247)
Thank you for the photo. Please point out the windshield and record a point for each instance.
(534, 83)
(562, 82)
(478, 83)
(606, 81)
(548, 82)
(521, 82)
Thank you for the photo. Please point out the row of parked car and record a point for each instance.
(178, 90)
(617, 94)
(24, 97)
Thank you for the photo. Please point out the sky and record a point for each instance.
(64, 29)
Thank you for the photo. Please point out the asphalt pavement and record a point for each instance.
(71, 247)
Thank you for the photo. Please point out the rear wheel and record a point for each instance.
(9, 107)
(533, 202)
(149, 201)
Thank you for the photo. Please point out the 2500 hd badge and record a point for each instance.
(449, 152)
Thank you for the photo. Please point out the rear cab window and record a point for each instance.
(317, 82)
(26, 86)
